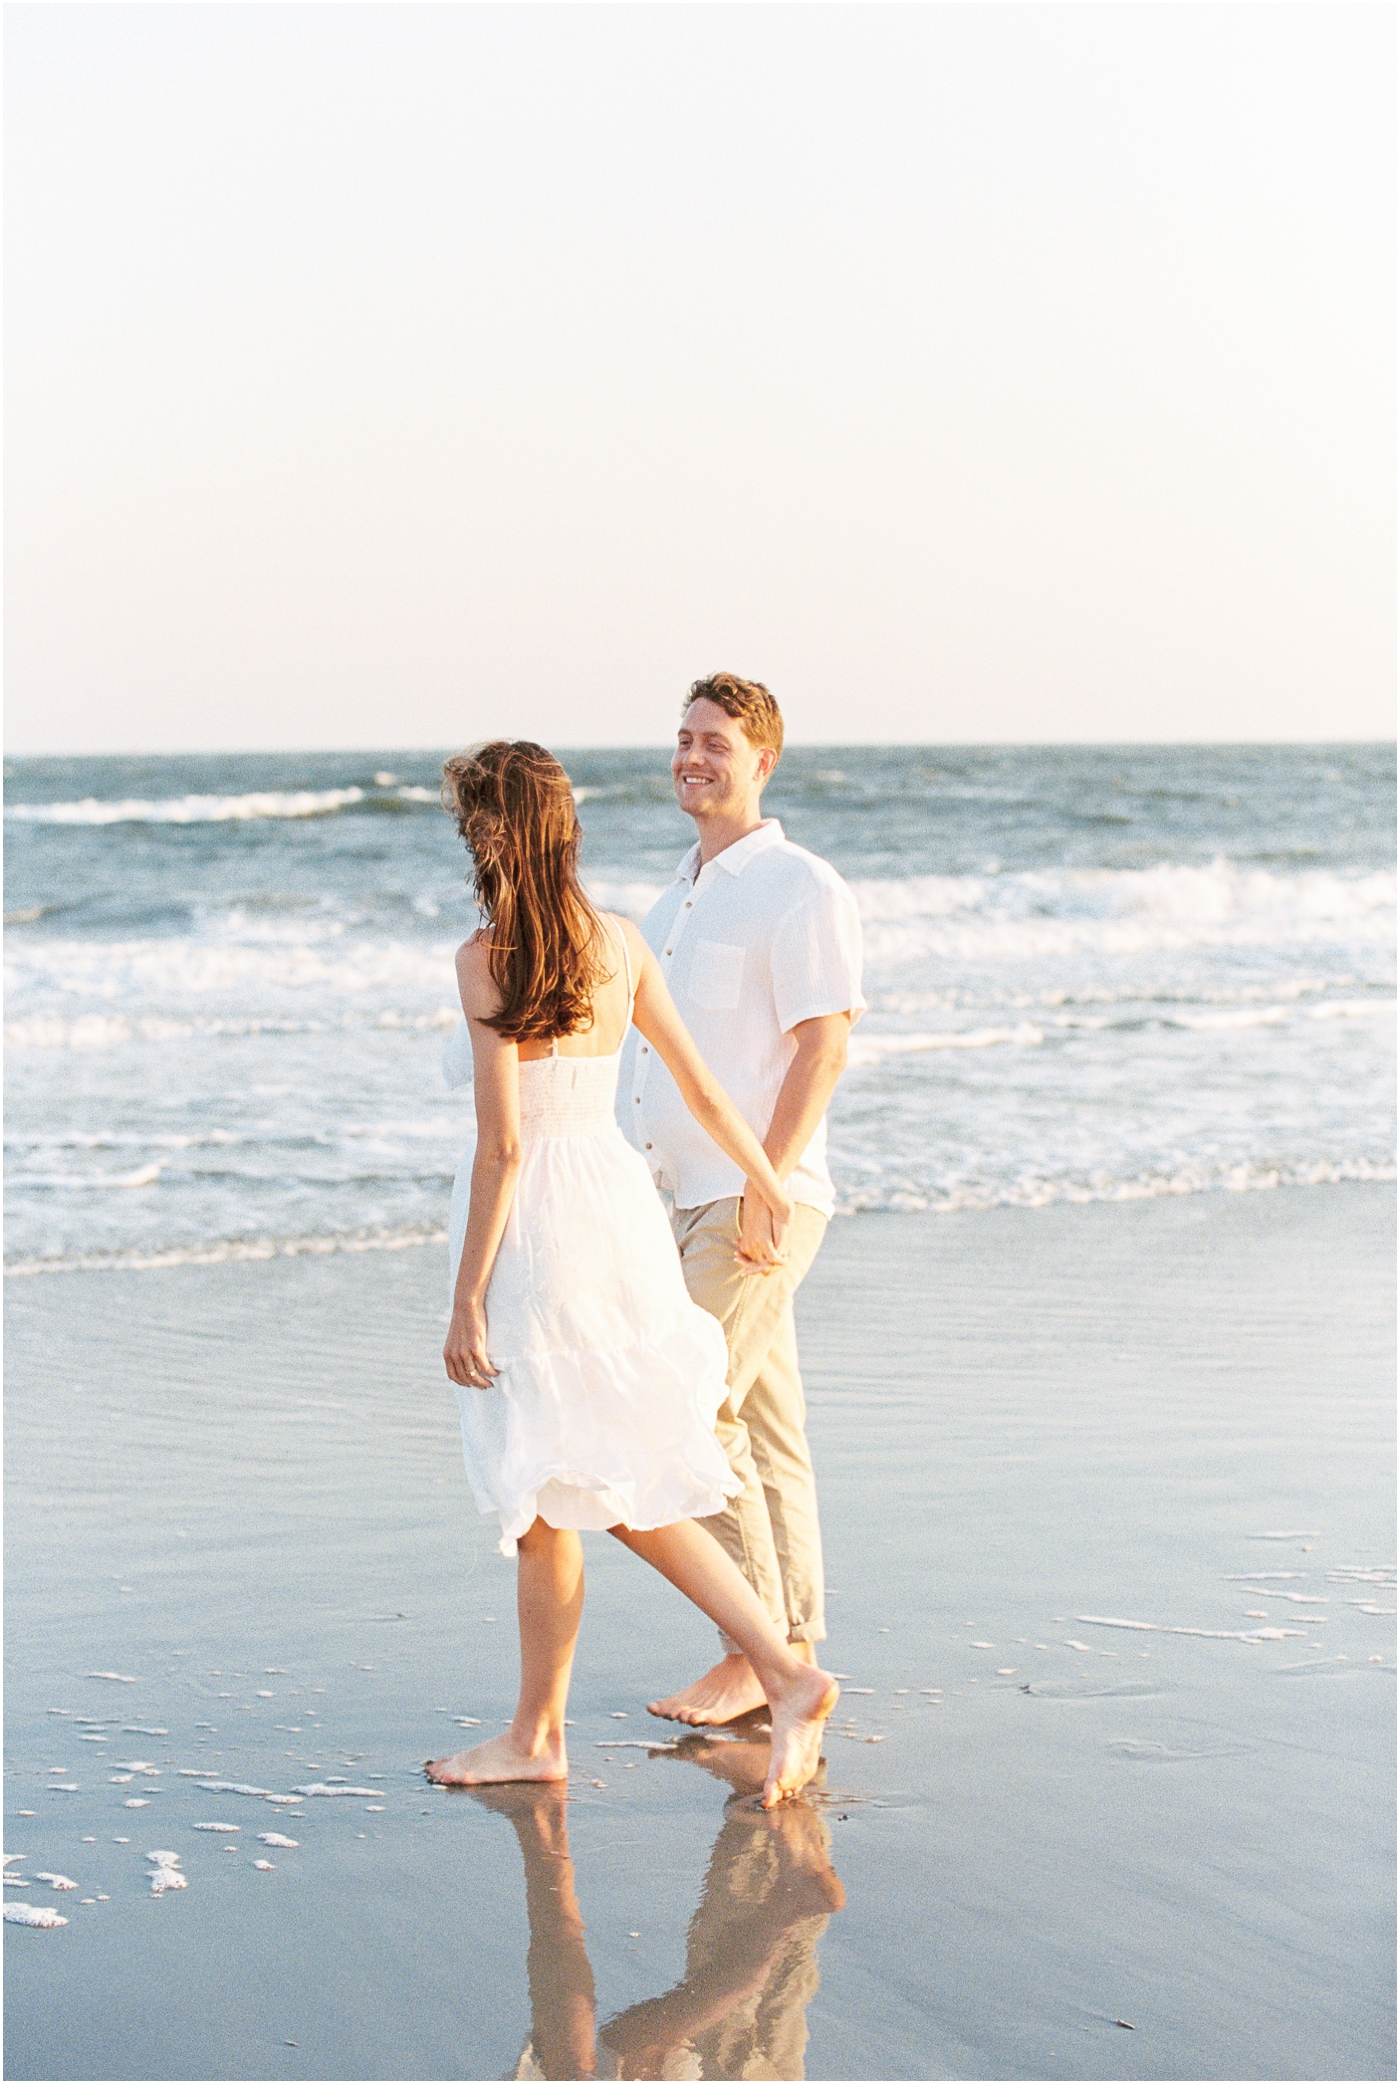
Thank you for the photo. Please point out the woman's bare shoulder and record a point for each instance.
(631, 934)
(480, 993)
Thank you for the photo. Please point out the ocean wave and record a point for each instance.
(189, 810)
(86, 1182)
(1245, 1017)
(104, 1031)
(870, 1047)
(258, 1137)
(219, 810)
(147, 973)
(1137, 991)
(615, 894)
(866, 1049)
(1121, 912)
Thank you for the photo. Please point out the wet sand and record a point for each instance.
(238, 1488)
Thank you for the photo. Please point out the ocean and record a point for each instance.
(1094, 973)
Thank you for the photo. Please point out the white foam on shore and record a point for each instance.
(1049, 1190)
(1297, 1598)
(37, 1914)
(221, 1251)
(165, 1872)
(276, 1838)
(1223, 1635)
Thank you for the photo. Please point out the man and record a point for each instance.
(759, 942)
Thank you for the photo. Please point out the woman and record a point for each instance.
(588, 1380)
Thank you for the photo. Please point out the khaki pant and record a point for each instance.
(770, 1530)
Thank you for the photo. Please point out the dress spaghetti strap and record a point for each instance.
(627, 967)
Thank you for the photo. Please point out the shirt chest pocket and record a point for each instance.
(716, 975)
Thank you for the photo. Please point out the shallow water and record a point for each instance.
(1094, 973)
(238, 1494)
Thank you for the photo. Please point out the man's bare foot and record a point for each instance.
(728, 1690)
(500, 1758)
(794, 1749)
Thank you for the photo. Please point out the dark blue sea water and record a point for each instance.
(1093, 972)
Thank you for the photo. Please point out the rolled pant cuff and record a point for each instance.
(808, 1632)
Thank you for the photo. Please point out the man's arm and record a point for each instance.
(806, 1090)
(802, 1100)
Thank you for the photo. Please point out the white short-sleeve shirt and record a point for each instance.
(763, 936)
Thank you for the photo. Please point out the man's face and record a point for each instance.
(716, 769)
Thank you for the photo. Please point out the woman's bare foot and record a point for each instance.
(505, 1757)
(728, 1690)
(794, 1749)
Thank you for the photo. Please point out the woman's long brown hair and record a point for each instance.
(514, 807)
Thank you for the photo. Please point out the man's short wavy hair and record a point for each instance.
(748, 702)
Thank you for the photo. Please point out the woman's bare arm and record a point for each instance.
(495, 1168)
(656, 1017)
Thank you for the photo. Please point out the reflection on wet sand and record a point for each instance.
(740, 2010)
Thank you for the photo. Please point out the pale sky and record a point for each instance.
(393, 375)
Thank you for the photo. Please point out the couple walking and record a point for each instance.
(605, 1382)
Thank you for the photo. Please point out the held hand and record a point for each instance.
(465, 1355)
(762, 1246)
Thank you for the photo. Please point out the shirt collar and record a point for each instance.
(735, 859)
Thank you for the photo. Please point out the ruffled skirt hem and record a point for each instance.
(590, 1505)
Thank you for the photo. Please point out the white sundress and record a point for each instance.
(610, 1377)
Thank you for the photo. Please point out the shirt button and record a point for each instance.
(668, 951)
(648, 1146)
(688, 903)
(636, 1099)
(644, 1049)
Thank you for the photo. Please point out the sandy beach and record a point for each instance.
(1048, 1843)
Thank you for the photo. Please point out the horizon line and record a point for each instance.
(296, 752)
